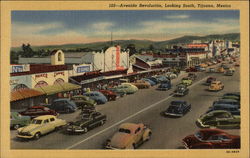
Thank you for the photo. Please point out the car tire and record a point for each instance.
(16, 126)
(37, 135)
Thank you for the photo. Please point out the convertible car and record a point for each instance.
(219, 119)
(129, 136)
(177, 108)
(211, 139)
(88, 121)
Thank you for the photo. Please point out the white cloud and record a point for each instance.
(177, 16)
(102, 25)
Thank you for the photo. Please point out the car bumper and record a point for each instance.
(25, 137)
(75, 130)
(172, 114)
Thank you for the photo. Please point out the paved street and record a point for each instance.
(144, 106)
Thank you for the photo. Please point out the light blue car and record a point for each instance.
(152, 83)
(96, 96)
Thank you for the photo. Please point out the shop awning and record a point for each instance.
(62, 87)
(24, 93)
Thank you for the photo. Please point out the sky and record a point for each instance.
(86, 26)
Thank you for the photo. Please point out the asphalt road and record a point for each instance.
(144, 106)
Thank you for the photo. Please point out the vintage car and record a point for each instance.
(203, 65)
(164, 86)
(162, 78)
(110, 95)
(216, 86)
(228, 73)
(177, 109)
(234, 110)
(82, 100)
(63, 105)
(220, 70)
(119, 92)
(35, 111)
(187, 81)
(39, 126)
(154, 80)
(98, 97)
(152, 83)
(140, 84)
(219, 119)
(235, 96)
(211, 139)
(232, 69)
(211, 70)
(232, 94)
(171, 75)
(17, 120)
(209, 80)
(228, 102)
(128, 88)
(88, 121)
(129, 136)
(191, 69)
(181, 90)
(192, 76)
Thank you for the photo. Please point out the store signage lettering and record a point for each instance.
(41, 75)
(81, 69)
(58, 73)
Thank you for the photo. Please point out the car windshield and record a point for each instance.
(198, 135)
(35, 121)
(122, 130)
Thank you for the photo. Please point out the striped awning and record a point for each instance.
(57, 88)
(24, 94)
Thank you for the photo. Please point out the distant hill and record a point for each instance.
(139, 44)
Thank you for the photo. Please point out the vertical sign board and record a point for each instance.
(118, 57)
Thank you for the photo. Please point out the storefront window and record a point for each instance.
(59, 81)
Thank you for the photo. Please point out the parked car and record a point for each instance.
(128, 88)
(63, 105)
(154, 80)
(118, 91)
(89, 121)
(35, 111)
(211, 139)
(228, 73)
(192, 76)
(171, 75)
(129, 136)
(39, 126)
(81, 100)
(203, 65)
(152, 83)
(220, 70)
(210, 80)
(187, 81)
(177, 108)
(17, 120)
(181, 90)
(233, 95)
(227, 101)
(192, 69)
(98, 97)
(162, 78)
(110, 95)
(164, 86)
(234, 110)
(219, 119)
(216, 86)
(140, 84)
(211, 70)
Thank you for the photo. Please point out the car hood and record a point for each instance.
(29, 128)
(120, 140)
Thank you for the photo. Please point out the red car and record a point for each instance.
(211, 139)
(191, 69)
(209, 80)
(109, 94)
(36, 111)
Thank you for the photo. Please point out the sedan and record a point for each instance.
(211, 139)
(98, 97)
(177, 108)
(36, 111)
(110, 95)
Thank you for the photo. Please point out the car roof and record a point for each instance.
(45, 117)
(130, 126)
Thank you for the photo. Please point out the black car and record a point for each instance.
(88, 121)
(181, 90)
(192, 76)
(177, 109)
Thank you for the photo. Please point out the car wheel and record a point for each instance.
(37, 135)
(16, 126)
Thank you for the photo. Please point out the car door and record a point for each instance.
(226, 142)
(223, 119)
(45, 126)
(215, 141)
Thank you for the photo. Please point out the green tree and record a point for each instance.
(132, 49)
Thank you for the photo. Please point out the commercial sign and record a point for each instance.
(81, 69)
(19, 68)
